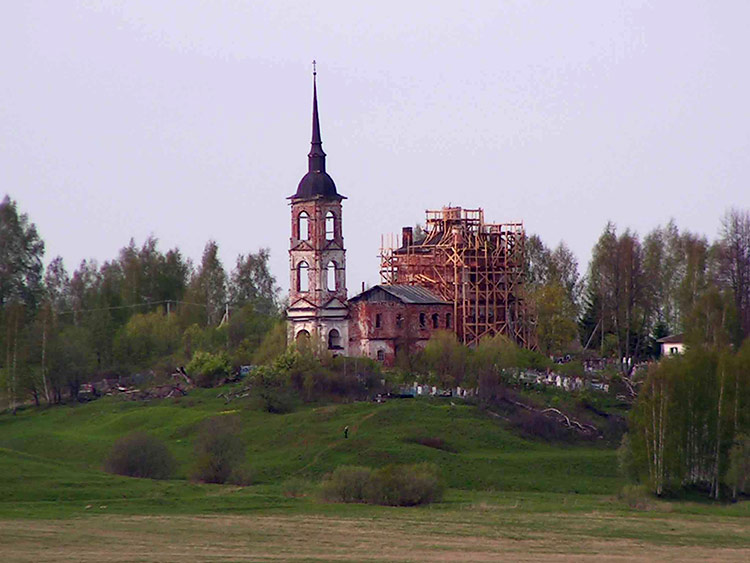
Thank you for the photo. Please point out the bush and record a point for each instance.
(636, 497)
(393, 485)
(140, 455)
(219, 449)
(269, 392)
(405, 485)
(347, 483)
(296, 487)
(208, 369)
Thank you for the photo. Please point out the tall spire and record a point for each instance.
(316, 158)
(316, 183)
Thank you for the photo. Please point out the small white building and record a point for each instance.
(672, 345)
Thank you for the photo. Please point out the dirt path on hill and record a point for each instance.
(352, 431)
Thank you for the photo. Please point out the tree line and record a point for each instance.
(152, 309)
(637, 290)
(690, 427)
(145, 309)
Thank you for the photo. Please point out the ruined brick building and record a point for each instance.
(463, 275)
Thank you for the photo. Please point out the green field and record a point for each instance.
(507, 497)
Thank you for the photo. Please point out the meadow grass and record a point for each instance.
(507, 498)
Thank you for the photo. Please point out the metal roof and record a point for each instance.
(410, 294)
(672, 339)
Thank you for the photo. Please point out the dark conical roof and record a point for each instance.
(316, 183)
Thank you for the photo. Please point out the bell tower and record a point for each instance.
(317, 258)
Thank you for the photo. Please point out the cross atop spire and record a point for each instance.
(316, 158)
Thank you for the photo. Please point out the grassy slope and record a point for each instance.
(57, 454)
(310, 442)
(509, 496)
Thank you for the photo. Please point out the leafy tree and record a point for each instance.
(208, 369)
(14, 317)
(72, 361)
(734, 264)
(247, 329)
(695, 278)
(252, 283)
(663, 267)
(489, 359)
(711, 320)
(146, 338)
(563, 271)
(273, 344)
(84, 289)
(21, 253)
(445, 358)
(738, 473)
(150, 276)
(556, 326)
(208, 286)
(689, 412)
(555, 292)
(57, 285)
(219, 449)
(616, 277)
(537, 257)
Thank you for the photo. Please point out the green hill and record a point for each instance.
(57, 454)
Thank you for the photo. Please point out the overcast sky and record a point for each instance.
(190, 120)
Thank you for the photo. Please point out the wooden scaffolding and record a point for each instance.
(477, 266)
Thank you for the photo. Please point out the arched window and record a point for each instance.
(330, 225)
(435, 320)
(302, 337)
(331, 276)
(399, 321)
(422, 320)
(378, 320)
(448, 320)
(303, 277)
(381, 355)
(334, 340)
(303, 226)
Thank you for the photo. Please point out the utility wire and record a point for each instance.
(115, 307)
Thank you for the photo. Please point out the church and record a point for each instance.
(378, 323)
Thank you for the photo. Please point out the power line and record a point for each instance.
(146, 304)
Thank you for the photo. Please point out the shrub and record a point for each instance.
(393, 485)
(219, 449)
(140, 455)
(405, 485)
(347, 484)
(269, 392)
(208, 369)
(636, 497)
(296, 487)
